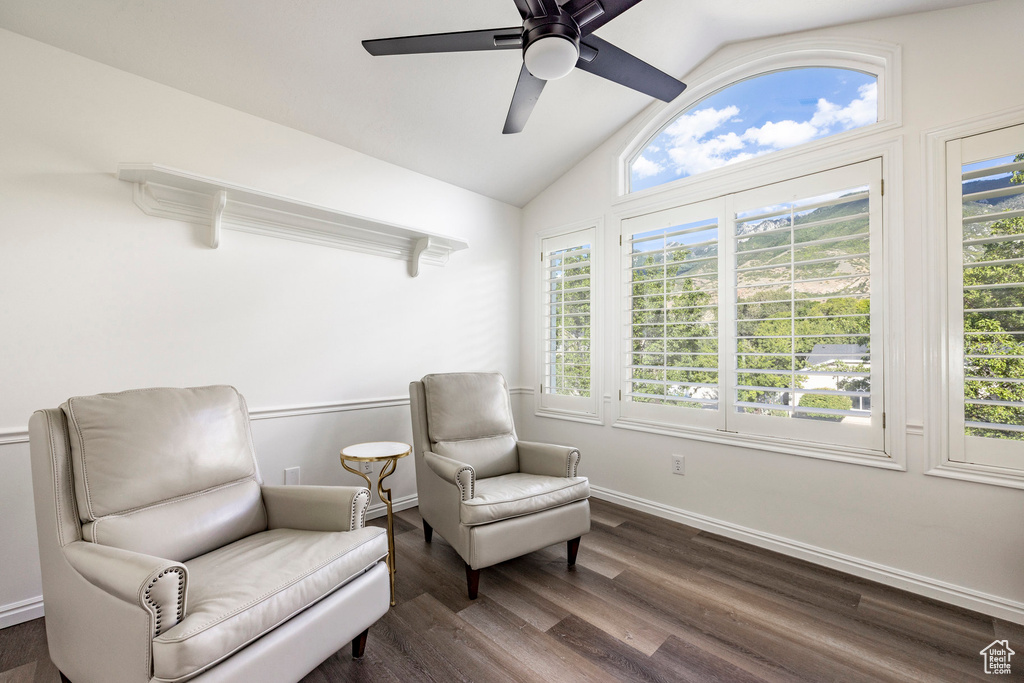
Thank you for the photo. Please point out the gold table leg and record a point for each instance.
(388, 470)
(385, 496)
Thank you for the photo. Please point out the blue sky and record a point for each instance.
(756, 116)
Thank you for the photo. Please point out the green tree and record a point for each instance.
(570, 309)
(825, 401)
(674, 321)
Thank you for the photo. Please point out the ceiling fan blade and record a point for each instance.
(593, 14)
(460, 41)
(524, 9)
(623, 68)
(527, 92)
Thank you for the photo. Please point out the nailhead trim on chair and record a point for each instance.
(362, 514)
(572, 463)
(472, 483)
(158, 609)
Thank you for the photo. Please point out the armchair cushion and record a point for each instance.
(244, 590)
(467, 405)
(136, 435)
(316, 508)
(488, 456)
(518, 494)
(183, 528)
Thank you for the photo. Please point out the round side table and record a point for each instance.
(387, 452)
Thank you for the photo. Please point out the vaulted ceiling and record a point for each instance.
(300, 63)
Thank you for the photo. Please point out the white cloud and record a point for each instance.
(645, 168)
(860, 112)
(782, 134)
(701, 122)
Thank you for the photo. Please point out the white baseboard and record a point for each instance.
(20, 612)
(968, 598)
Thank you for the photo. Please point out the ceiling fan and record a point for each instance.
(554, 39)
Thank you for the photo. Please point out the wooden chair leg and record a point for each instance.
(473, 580)
(359, 644)
(573, 547)
(428, 531)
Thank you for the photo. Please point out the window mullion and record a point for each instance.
(727, 313)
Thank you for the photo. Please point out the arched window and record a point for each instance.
(756, 116)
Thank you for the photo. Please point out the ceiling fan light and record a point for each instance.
(551, 57)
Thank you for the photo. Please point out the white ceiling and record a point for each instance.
(299, 63)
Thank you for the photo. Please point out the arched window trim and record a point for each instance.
(881, 60)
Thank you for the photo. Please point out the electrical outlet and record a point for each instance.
(367, 467)
(291, 476)
(677, 465)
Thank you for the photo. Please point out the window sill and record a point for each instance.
(805, 449)
(571, 416)
(979, 474)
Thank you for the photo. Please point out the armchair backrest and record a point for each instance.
(467, 416)
(166, 472)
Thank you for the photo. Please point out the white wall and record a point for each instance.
(960, 541)
(96, 296)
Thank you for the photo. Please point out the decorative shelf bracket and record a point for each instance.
(220, 201)
(170, 193)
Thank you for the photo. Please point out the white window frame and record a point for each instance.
(660, 415)
(882, 60)
(891, 298)
(943, 431)
(886, 266)
(869, 443)
(573, 408)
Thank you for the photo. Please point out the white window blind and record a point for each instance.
(568, 322)
(805, 359)
(769, 330)
(672, 331)
(987, 299)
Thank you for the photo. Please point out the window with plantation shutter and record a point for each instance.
(672, 332)
(568, 268)
(985, 196)
(752, 313)
(804, 356)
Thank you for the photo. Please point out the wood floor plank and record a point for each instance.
(624, 626)
(605, 517)
(625, 663)
(475, 656)
(546, 658)
(692, 664)
(26, 673)
(412, 517)
(532, 608)
(940, 656)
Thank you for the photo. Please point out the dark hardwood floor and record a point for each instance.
(648, 600)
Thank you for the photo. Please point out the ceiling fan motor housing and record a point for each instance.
(550, 59)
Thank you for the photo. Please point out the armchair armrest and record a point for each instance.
(548, 459)
(316, 508)
(454, 472)
(157, 585)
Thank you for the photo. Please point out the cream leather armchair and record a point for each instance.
(491, 496)
(164, 558)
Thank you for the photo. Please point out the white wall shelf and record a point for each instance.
(178, 195)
